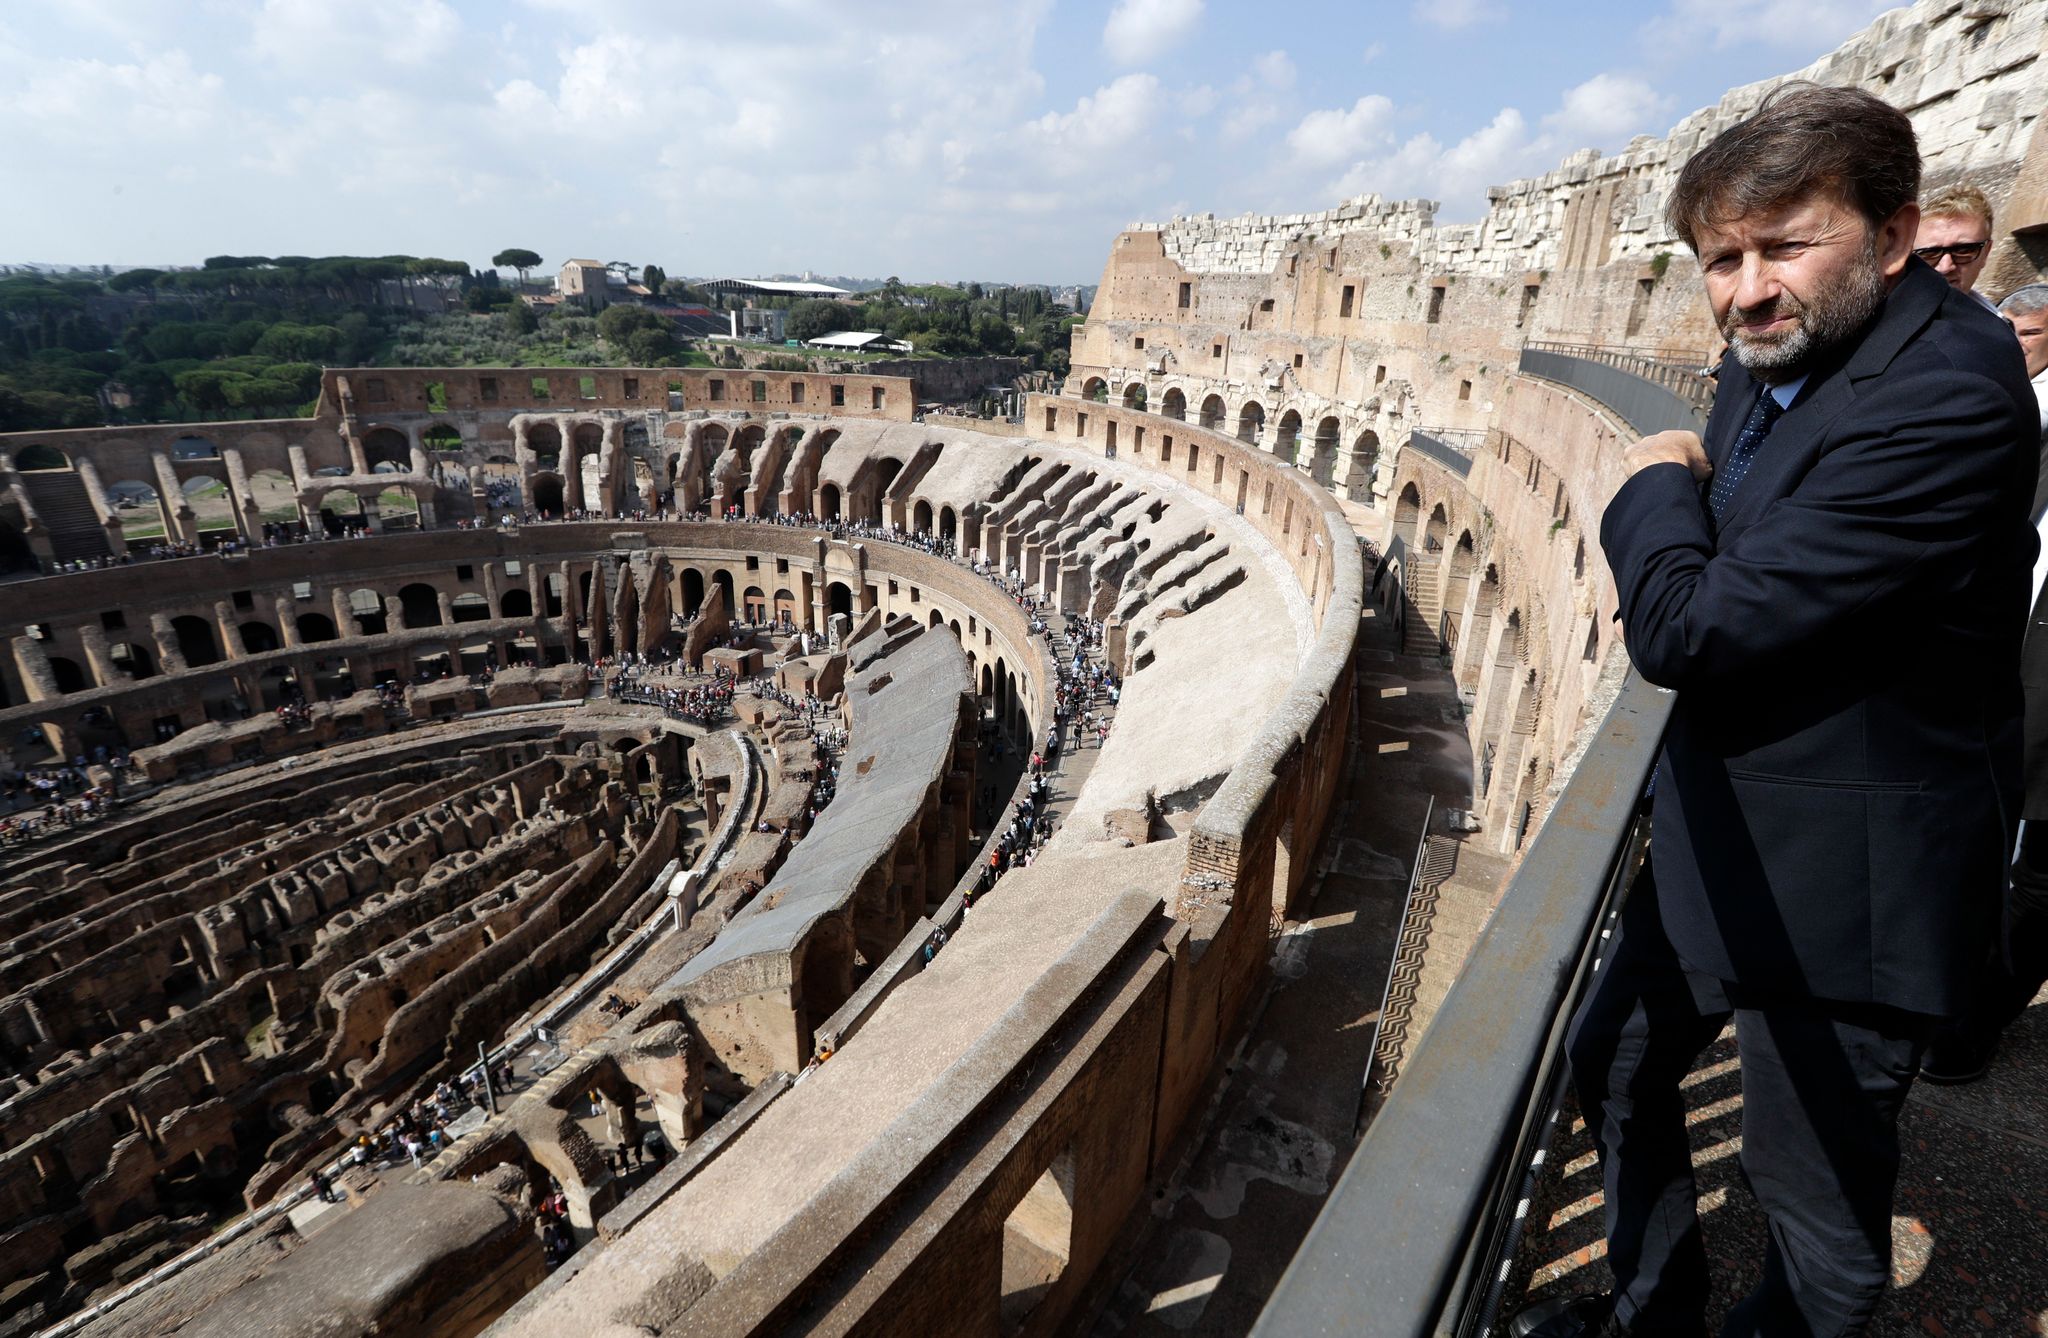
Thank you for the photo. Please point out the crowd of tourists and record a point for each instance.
(40, 801)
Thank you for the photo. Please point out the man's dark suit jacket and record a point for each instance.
(1839, 785)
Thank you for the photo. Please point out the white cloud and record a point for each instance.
(1140, 29)
(1722, 24)
(1326, 137)
(1275, 70)
(361, 36)
(158, 98)
(1108, 118)
(1373, 51)
(1603, 112)
(1607, 109)
(1452, 15)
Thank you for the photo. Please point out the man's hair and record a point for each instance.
(2025, 301)
(1959, 200)
(1804, 139)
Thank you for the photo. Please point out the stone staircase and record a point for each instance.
(60, 500)
(1431, 948)
(1424, 605)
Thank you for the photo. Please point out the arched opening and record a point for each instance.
(693, 591)
(387, 446)
(1438, 529)
(196, 642)
(1322, 465)
(547, 494)
(786, 612)
(723, 580)
(69, 677)
(828, 502)
(1407, 514)
(839, 599)
(258, 637)
(1096, 389)
(948, 526)
(1363, 467)
(1287, 436)
(935, 619)
(921, 517)
(885, 475)
(132, 658)
(38, 456)
(1251, 422)
(367, 606)
(515, 604)
(589, 438)
(315, 627)
(1134, 396)
(441, 437)
(419, 605)
(340, 511)
(754, 604)
(1173, 404)
(545, 439)
(470, 608)
(1212, 412)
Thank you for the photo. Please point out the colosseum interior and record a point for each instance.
(655, 733)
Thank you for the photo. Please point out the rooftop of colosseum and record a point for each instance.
(626, 851)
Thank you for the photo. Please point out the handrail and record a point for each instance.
(1408, 1242)
(1686, 380)
(1402, 934)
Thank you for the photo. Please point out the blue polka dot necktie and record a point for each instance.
(1721, 492)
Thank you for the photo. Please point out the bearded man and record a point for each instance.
(1835, 583)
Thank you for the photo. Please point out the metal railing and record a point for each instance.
(1681, 377)
(1417, 1236)
(1448, 447)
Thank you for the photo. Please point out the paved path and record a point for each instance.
(1283, 1125)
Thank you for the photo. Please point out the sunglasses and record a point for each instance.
(1962, 252)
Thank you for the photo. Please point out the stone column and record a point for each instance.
(572, 467)
(373, 515)
(168, 656)
(230, 634)
(287, 621)
(242, 508)
(32, 659)
(444, 604)
(180, 525)
(345, 620)
(96, 493)
(104, 670)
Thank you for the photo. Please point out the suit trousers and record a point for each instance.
(1822, 1085)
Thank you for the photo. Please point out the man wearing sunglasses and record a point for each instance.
(1955, 237)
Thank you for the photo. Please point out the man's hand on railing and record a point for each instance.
(1675, 448)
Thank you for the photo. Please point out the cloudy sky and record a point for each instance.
(933, 139)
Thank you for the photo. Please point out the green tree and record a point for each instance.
(129, 280)
(287, 341)
(618, 323)
(520, 320)
(650, 348)
(808, 320)
(654, 277)
(517, 259)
